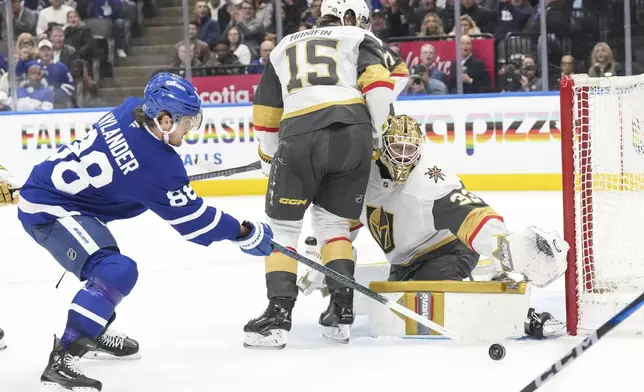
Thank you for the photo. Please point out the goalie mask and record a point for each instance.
(401, 142)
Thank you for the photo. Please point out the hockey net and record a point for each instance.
(602, 124)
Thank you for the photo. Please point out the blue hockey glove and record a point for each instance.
(258, 242)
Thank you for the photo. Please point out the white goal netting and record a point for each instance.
(608, 159)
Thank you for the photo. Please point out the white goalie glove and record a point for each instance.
(537, 254)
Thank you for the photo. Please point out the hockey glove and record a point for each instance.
(538, 254)
(258, 241)
(7, 195)
(8, 192)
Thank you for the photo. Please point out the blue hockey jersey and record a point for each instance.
(118, 171)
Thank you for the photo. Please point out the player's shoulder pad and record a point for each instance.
(429, 181)
(372, 42)
(369, 35)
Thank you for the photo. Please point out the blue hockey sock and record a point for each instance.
(90, 311)
(111, 276)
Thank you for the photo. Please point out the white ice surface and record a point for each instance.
(190, 304)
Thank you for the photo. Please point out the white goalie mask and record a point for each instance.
(339, 9)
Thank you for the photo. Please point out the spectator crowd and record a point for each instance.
(57, 53)
(236, 36)
(64, 47)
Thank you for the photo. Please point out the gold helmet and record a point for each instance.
(401, 142)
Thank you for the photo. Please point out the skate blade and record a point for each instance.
(46, 386)
(103, 356)
(275, 340)
(339, 334)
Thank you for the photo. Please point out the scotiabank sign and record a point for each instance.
(226, 89)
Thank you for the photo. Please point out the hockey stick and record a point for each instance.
(584, 345)
(226, 172)
(373, 295)
(217, 173)
(206, 165)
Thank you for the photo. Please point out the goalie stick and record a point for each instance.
(375, 296)
(581, 348)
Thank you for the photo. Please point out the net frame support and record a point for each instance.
(575, 94)
(574, 116)
(566, 104)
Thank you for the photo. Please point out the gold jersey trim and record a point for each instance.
(267, 118)
(474, 222)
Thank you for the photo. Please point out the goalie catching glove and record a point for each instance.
(8, 188)
(537, 254)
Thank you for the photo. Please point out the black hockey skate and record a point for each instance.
(542, 325)
(111, 345)
(338, 317)
(3, 345)
(63, 372)
(114, 345)
(269, 330)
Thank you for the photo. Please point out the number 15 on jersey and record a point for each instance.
(312, 63)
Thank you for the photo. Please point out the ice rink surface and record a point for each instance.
(190, 304)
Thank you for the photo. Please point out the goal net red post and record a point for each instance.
(602, 143)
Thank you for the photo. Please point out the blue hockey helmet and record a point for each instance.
(175, 95)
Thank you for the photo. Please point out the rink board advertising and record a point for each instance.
(493, 143)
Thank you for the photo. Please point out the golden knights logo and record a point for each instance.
(381, 226)
(435, 173)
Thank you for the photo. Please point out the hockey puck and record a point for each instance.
(496, 351)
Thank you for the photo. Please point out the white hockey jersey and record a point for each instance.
(431, 209)
(334, 74)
